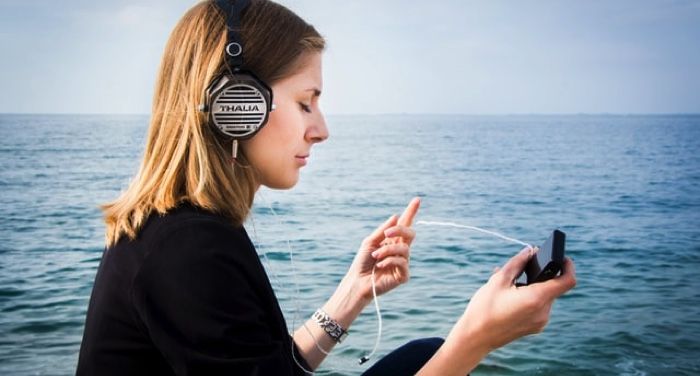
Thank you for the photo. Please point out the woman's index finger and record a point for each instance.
(409, 213)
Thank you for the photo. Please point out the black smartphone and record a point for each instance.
(547, 262)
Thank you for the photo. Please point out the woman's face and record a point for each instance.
(283, 145)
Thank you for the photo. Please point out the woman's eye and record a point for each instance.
(305, 107)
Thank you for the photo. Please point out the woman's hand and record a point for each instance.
(387, 248)
(498, 313)
(504, 312)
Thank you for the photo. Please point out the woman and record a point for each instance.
(180, 288)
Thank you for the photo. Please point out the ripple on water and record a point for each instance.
(10, 292)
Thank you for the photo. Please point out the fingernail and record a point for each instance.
(375, 253)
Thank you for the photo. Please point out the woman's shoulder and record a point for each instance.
(187, 217)
(188, 235)
(187, 228)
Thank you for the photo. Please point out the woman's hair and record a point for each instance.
(185, 159)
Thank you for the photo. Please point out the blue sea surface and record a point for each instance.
(625, 189)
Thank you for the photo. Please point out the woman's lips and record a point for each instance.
(301, 159)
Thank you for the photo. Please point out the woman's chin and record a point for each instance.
(287, 183)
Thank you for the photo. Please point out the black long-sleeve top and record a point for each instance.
(188, 296)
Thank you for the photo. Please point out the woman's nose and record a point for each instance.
(317, 131)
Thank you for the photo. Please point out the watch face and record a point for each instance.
(332, 327)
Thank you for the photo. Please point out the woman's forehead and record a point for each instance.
(308, 76)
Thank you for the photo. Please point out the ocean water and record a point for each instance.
(625, 189)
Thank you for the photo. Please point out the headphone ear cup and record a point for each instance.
(239, 104)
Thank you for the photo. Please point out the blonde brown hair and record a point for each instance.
(184, 159)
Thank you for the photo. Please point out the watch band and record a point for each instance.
(330, 326)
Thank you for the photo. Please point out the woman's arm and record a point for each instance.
(497, 314)
(344, 306)
(387, 248)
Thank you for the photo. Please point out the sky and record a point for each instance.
(383, 56)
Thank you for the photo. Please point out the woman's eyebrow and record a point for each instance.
(317, 92)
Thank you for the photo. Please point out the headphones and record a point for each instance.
(238, 102)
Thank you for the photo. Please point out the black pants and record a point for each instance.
(407, 359)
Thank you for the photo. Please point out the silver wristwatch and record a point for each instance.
(330, 326)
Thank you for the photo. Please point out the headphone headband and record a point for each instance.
(234, 46)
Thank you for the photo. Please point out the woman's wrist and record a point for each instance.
(313, 338)
(459, 354)
(346, 303)
(469, 329)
